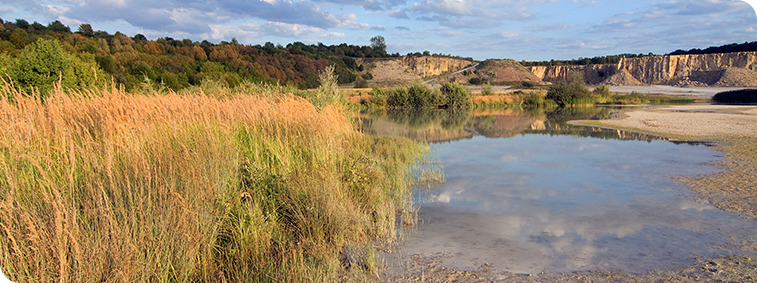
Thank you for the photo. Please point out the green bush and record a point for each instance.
(569, 93)
(742, 96)
(528, 84)
(378, 98)
(424, 96)
(602, 89)
(486, 89)
(360, 83)
(457, 96)
(398, 97)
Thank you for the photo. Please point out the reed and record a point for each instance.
(108, 186)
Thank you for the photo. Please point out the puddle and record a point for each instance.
(526, 193)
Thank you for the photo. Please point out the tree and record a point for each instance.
(378, 44)
(86, 30)
(57, 26)
(45, 62)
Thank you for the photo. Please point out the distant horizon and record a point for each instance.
(531, 30)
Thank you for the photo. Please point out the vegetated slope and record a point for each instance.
(722, 69)
(176, 64)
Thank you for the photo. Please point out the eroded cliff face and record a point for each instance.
(705, 69)
(411, 68)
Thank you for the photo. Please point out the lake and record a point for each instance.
(525, 192)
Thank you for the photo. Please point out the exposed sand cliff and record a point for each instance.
(723, 69)
(411, 68)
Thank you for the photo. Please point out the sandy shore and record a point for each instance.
(695, 121)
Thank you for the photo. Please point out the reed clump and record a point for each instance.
(108, 186)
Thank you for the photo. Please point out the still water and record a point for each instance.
(525, 193)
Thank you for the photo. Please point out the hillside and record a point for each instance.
(177, 64)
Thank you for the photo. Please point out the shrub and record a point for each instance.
(457, 96)
(360, 83)
(568, 93)
(602, 89)
(742, 96)
(378, 98)
(528, 84)
(398, 97)
(424, 96)
(486, 89)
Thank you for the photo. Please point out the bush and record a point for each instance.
(742, 96)
(528, 84)
(602, 89)
(569, 93)
(424, 96)
(486, 89)
(378, 98)
(457, 96)
(398, 97)
(360, 83)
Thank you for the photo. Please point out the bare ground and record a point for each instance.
(733, 128)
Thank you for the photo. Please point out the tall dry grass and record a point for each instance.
(106, 186)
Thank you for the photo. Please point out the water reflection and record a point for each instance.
(437, 125)
(526, 192)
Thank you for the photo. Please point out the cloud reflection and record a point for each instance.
(598, 204)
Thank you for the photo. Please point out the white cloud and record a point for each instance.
(8, 9)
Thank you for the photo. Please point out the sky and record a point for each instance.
(531, 30)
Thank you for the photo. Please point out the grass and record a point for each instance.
(108, 186)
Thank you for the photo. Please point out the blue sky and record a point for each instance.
(517, 29)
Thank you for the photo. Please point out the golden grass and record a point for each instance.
(106, 186)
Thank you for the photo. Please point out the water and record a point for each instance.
(526, 192)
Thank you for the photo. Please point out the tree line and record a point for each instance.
(609, 59)
(174, 63)
(728, 48)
